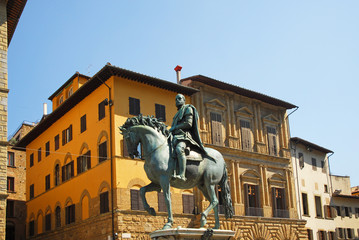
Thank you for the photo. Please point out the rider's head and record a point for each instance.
(180, 100)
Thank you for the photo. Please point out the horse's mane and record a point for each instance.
(150, 121)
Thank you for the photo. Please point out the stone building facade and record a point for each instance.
(16, 186)
(10, 12)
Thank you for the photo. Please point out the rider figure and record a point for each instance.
(185, 133)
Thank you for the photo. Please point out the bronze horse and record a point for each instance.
(159, 166)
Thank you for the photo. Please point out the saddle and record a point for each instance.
(193, 155)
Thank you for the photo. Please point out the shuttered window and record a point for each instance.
(102, 151)
(314, 164)
(136, 201)
(31, 228)
(216, 124)
(104, 206)
(39, 155)
(48, 222)
(32, 191)
(318, 207)
(67, 135)
(58, 216)
(134, 106)
(31, 159)
(322, 235)
(252, 200)
(272, 141)
(101, 110)
(84, 162)
(70, 214)
(83, 123)
(301, 160)
(160, 112)
(47, 149)
(161, 202)
(47, 182)
(305, 204)
(68, 171)
(57, 142)
(188, 203)
(246, 134)
(57, 174)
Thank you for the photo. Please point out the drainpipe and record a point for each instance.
(109, 102)
(330, 178)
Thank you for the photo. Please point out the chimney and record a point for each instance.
(45, 109)
(178, 72)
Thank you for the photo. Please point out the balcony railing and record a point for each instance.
(254, 211)
(281, 213)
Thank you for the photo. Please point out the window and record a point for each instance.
(47, 149)
(188, 203)
(314, 164)
(10, 208)
(161, 202)
(252, 200)
(58, 216)
(322, 235)
(272, 141)
(356, 212)
(310, 234)
(39, 155)
(102, 151)
(67, 171)
(71, 91)
(279, 203)
(350, 233)
(83, 123)
(31, 159)
(160, 112)
(340, 232)
(136, 201)
(48, 222)
(32, 191)
(134, 106)
(301, 160)
(305, 204)
(338, 208)
(11, 159)
(57, 142)
(329, 212)
(216, 124)
(61, 100)
(57, 175)
(70, 214)
(101, 110)
(325, 188)
(331, 236)
(84, 162)
(67, 135)
(104, 208)
(348, 211)
(318, 207)
(246, 134)
(10, 184)
(31, 228)
(47, 182)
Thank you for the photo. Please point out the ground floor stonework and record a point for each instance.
(138, 225)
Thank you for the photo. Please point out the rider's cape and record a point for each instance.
(195, 138)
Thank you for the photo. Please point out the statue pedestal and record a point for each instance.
(191, 233)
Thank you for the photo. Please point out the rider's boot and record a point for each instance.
(182, 160)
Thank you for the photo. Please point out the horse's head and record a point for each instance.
(132, 140)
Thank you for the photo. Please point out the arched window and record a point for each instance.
(57, 175)
(102, 147)
(58, 216)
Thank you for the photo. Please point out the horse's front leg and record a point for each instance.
(165, 185)
(149, 188)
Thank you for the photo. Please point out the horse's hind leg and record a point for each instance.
(165, 185)
(209, 193)
(149, 188)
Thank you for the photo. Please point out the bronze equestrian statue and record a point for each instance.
(203, 168)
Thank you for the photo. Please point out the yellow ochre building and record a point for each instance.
(82, 184)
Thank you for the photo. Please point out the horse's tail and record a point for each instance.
(226, 194)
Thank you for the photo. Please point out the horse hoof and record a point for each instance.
(152, 211)
(167, 226)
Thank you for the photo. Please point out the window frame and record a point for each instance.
(102, 110)
(47, 148)
(83, 124)
(134, 106)
(10, 159)
(11, 184)
(136, 201)
(102, 151)
(84, 162)
(318, 207)
(32, 191)
(160, 111)
(47, 182)
(104, 202)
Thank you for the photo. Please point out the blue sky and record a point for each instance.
(303, 52)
